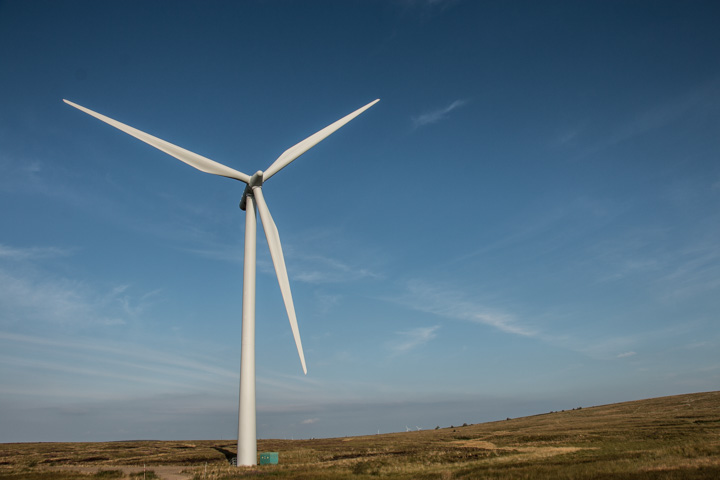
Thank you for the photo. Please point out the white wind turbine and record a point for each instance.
(252, 201)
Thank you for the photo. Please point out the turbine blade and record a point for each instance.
(295, 151)
(193, 159)
(273, 239)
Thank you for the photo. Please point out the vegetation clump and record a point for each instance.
(108, 474)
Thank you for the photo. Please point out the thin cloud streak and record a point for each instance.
(313, 269)
(696, 102)
(626, 354)
(96, 372)
(50, 300)
(43, 297)
(32, 253)
(448, 303)
(143, 355)
(437, 115)
(29, 290)
(412, 339)
(332, 271)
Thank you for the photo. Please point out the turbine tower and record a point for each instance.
(253, 203)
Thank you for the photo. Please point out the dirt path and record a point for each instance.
(165, 472)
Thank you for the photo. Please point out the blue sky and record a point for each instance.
(527, 221)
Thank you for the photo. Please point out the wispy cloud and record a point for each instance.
(411, 339)
(310, 421)
(135, 307)
(50, 299)
(313, 268)
(31, 292)
(323, 269)
(435, 116)
(626, 354)
(80, 378)
(692, 270)
(696, 102)
(111, 359)
(46, 179)
(32, 253)
(552, 229)
(665, 113)
(449, 303)
(224, 253)
(675, 265)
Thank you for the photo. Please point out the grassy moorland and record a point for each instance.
(663, 438)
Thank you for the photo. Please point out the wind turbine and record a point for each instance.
(253, 203)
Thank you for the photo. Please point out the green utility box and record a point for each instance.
(269, 458)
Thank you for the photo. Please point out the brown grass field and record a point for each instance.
(670, 438)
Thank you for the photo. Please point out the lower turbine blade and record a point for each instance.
(273, 239)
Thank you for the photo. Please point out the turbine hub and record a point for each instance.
(256, 180)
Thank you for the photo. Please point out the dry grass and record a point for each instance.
(668, 438)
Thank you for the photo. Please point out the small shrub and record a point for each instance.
(109, 474)
(367, 468)
(147, 475)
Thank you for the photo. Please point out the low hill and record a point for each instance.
(674, 437)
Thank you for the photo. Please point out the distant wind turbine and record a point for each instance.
(253, 203)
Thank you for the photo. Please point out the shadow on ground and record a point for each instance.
(228, 454)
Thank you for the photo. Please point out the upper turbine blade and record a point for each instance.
(273, 239)
(193, 159)
(294, 152)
